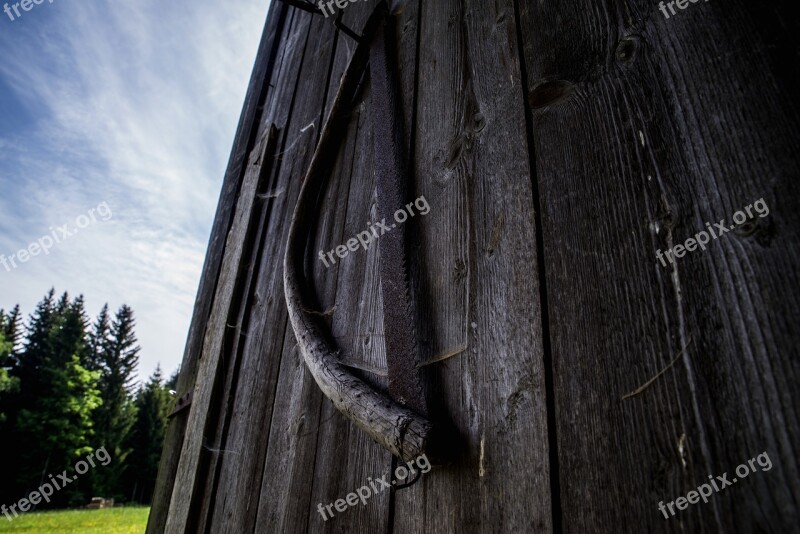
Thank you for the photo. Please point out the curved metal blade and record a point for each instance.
(391, 177)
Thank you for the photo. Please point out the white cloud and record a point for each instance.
(135, 105)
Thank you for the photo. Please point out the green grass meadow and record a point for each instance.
(122, 520)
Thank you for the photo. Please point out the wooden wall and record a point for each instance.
(559, 145)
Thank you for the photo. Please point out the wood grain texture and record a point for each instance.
(470, 113)
(302, 422)
(247, 443)
(186, 478)
(346, 458)
(434, 240)
(559, 145)
(670, 123)
(216, 437)
(296, 421)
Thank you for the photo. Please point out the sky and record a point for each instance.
(116, 123)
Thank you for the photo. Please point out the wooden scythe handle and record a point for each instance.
(402, 431)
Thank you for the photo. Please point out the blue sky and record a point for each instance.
(132, 106)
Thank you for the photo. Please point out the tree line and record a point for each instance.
(67, 388)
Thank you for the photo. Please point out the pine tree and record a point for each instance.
(7, 340)
(30, 385)
(11, 326)
(66, 389)
(8, 384)
(61, 424)
(99, 340)
(124, 347)
(153, 403)
(118, 362)
(9, 398)
(37, 348)
(69, 335)
(57, 397)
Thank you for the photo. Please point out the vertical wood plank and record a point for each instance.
(470, 136)
(655, 127)
(346, 457)
(237, 492)
(287, 503)
(186, 477)
(215, 439)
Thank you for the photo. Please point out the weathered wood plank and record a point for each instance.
(186, 478)
(231, 185)
(443, 299)
(292, 454)
(215, 440)
(346, 457)
(684, 124)
(241, 476)
(355, 457)
(284, 83)
(289, 463)
(470, 135)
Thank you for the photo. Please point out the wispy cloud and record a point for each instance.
(136, 105)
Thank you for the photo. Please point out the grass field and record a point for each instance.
(128, 520)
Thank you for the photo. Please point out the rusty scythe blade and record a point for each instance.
(399, 424)
(391, 177)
